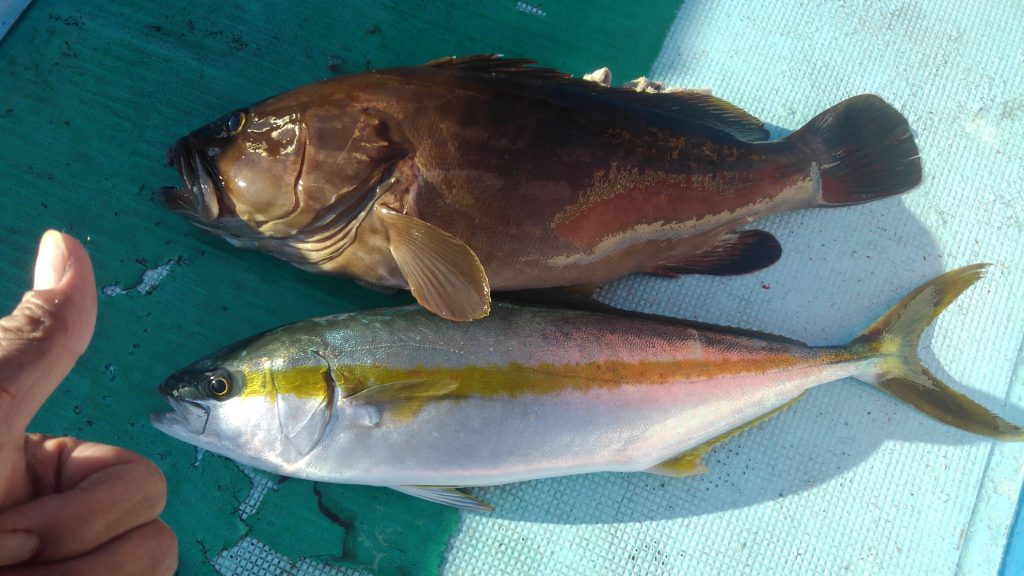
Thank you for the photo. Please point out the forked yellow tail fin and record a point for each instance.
(895, 337)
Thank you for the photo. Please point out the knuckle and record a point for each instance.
(33, 318)
(34, 323)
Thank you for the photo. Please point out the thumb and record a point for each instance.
(51, 327)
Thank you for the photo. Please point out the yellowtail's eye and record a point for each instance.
(219, 386)
(235, 123)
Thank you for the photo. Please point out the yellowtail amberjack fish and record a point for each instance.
(404, 399)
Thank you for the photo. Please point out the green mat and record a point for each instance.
(92, 94)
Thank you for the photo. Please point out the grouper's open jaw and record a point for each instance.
(198, 199)
(186, 422)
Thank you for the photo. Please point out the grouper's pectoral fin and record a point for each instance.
(740, 253)
(688, 463)
(446, 495)
(399, 401)
(444, 275)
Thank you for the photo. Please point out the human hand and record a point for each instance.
(68, 507)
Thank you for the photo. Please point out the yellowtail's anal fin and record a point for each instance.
(688, 463)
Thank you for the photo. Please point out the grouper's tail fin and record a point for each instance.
(895, 337)
(863, 150)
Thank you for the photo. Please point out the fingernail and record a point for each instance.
(17, 546)
(51, 262)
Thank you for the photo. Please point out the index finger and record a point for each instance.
(51, 327)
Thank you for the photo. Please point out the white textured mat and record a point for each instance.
(849, 480)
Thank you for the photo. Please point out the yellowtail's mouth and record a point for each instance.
(189, 418)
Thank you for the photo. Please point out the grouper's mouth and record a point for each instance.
(198, 199)
(187, 420)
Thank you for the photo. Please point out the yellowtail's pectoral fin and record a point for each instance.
(688, 463)
(446, 495)
(401, 401)
(444, 275)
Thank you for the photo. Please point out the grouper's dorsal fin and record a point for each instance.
(703, 108)
(711, 111)
(497, 64)
(688, 463)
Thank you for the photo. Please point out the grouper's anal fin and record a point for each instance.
(734, 253)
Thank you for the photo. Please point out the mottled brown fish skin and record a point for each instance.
(530, 176)
(548, 180)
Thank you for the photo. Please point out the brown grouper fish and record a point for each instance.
(468, 175)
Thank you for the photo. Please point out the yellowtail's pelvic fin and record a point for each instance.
(446, 495)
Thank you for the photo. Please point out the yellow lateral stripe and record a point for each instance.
(516, 379)
(302, 381)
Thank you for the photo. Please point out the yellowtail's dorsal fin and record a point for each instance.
(403, 400)
(688, 463)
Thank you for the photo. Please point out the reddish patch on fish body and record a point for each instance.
(621, 200)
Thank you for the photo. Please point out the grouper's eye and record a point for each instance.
(234, 124)
(219, 385)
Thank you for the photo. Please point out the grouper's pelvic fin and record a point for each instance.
(862, 150)
(894, 337)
